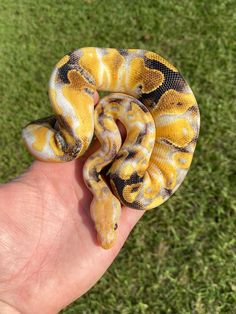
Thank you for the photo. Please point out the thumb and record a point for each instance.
(129, 218)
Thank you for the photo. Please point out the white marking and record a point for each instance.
(185, 131)
(110, 134)
(65, 105)
(52, 80)
(166, 119)
(67, 109)
(121, 73)
(156, 173)
(62, 102)
(101, 67)
(30, 139)
(138, 124)
(183, 160)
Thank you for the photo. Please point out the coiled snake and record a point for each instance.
(158, 110)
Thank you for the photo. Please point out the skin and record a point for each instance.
(48, 241)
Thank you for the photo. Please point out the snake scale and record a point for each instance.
(156, 106)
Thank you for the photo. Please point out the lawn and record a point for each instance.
(181, 257)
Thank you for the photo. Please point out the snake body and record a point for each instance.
(153, 102)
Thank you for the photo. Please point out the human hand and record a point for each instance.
(49, 254)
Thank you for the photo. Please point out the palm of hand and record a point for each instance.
(49, 238)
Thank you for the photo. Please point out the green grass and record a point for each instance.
(180, 258)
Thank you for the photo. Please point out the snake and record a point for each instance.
(154, 103)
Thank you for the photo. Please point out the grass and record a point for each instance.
(180, 258)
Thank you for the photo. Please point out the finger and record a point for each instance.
(96, 97)
(129, 218)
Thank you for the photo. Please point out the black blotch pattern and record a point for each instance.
(95, 175)
(123, 52)
(141, 136)
(134, 189)
(168, 192)
(65, 68)
(120, 184)
(64, 125)
(51, 120)
(145, 109)
(193, 109)
(89, 91)
(172, 80)
(63, 71)
(71, 64)
(117, 100)
(120, 155)
(57, 123)
(131, 154)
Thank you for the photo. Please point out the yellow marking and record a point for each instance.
(40, 135)
(91, 63)
(155, 202)
(57, 109)
(113, 61)
(41, 141)
(173, 102)
(80, 102)
(63, 61)
(169, 173)
(122, 79)
(178, 132)
(182, 159)
(160, 150)
(127, 170)
(140, 75)
(154, 56)
(57, 150)
(78, 81)
(152, 186)
(132, 50)
(131, 192)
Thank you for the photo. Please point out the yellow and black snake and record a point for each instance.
(158, 110)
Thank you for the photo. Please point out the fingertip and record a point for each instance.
(96, 97)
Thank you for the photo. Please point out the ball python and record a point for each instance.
(156, 106)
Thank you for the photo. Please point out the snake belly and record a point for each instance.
(157, 108)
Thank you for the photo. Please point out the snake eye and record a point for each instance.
(115, 226)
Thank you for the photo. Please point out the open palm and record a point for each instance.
(49, 254)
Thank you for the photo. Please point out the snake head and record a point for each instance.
(105, 213)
